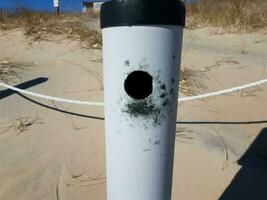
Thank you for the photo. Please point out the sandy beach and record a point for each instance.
(59, 153)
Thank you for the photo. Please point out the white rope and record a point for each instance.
(183, 99)
(226, 91)
(58, 99)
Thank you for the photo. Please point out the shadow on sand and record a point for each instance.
(23, 86)
(250, 183)
(222, 123)
(32, 83)
(61, 110)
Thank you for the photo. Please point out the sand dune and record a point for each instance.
(61, 156)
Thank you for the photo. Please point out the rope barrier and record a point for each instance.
(226, 91)
(57, 99)
(101, 104)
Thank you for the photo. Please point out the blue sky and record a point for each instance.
(44, 5)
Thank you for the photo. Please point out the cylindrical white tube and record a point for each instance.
(141, 67)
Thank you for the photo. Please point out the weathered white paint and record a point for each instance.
(140, 147)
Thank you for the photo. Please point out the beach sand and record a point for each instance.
(61, 156)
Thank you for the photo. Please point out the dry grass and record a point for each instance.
(191, 82)
(219, 63)
(225, 147)
(19, 126)
(238, 14)
(23, 124)
(41, 26)
(9, 71)
(93, 14)
(182, 135)
(83, 179)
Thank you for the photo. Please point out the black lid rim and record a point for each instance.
(118, 13)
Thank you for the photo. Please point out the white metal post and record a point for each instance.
(56, 6)
(141, 67)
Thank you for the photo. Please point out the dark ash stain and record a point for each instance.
(146, 127)
(163, 92)
(127, 63)
(163, 95)
(157, 142)
(141, 108)
(149, 108)
(145, 109)
(163, 87)
(165, 102)
(146, 149)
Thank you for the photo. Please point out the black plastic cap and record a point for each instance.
(142, 12)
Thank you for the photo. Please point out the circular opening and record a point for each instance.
(139, 85)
